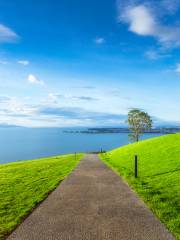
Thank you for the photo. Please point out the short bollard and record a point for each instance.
(136, 166)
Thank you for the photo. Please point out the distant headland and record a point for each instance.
(163, 130)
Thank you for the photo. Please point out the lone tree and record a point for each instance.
(138, 122)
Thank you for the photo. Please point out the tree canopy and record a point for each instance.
(138, 122)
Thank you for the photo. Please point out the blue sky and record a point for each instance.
(86, 63)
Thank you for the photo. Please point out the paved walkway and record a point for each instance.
(93, 203)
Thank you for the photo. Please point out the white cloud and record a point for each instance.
(142, 20)
(13, 106)
(34, 80)
(99, 40)
(23, 62)
(7, 34)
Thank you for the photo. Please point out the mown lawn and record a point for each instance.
(158, 181)
(24, 184)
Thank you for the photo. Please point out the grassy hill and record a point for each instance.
(158, 181)
(24, 184)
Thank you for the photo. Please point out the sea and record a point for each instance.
(18, 143)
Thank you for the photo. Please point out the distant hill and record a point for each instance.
(3, 125)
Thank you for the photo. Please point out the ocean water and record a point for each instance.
(29, 143)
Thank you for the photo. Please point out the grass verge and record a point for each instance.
(24, 184)
(158, 181)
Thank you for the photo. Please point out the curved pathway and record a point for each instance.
(92, 203)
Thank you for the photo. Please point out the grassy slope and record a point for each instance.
(24, 184)
(158, 182)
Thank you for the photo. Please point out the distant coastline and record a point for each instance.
(162, 130)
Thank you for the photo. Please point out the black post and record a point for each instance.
(136, 166)
(75, 155)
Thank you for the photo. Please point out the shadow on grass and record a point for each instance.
(159, 174)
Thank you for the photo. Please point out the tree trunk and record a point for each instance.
(137, 137)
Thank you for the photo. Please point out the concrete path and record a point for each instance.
(93, 203)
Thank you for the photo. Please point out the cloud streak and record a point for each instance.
(99, 40)
(57, 96)
(23, 62)
(81, 114)
(13, 111)
(156, 54)
(7, 35)
(23, 112)
(85, 98)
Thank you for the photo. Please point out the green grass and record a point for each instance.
(158, 181)
(25, 184)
